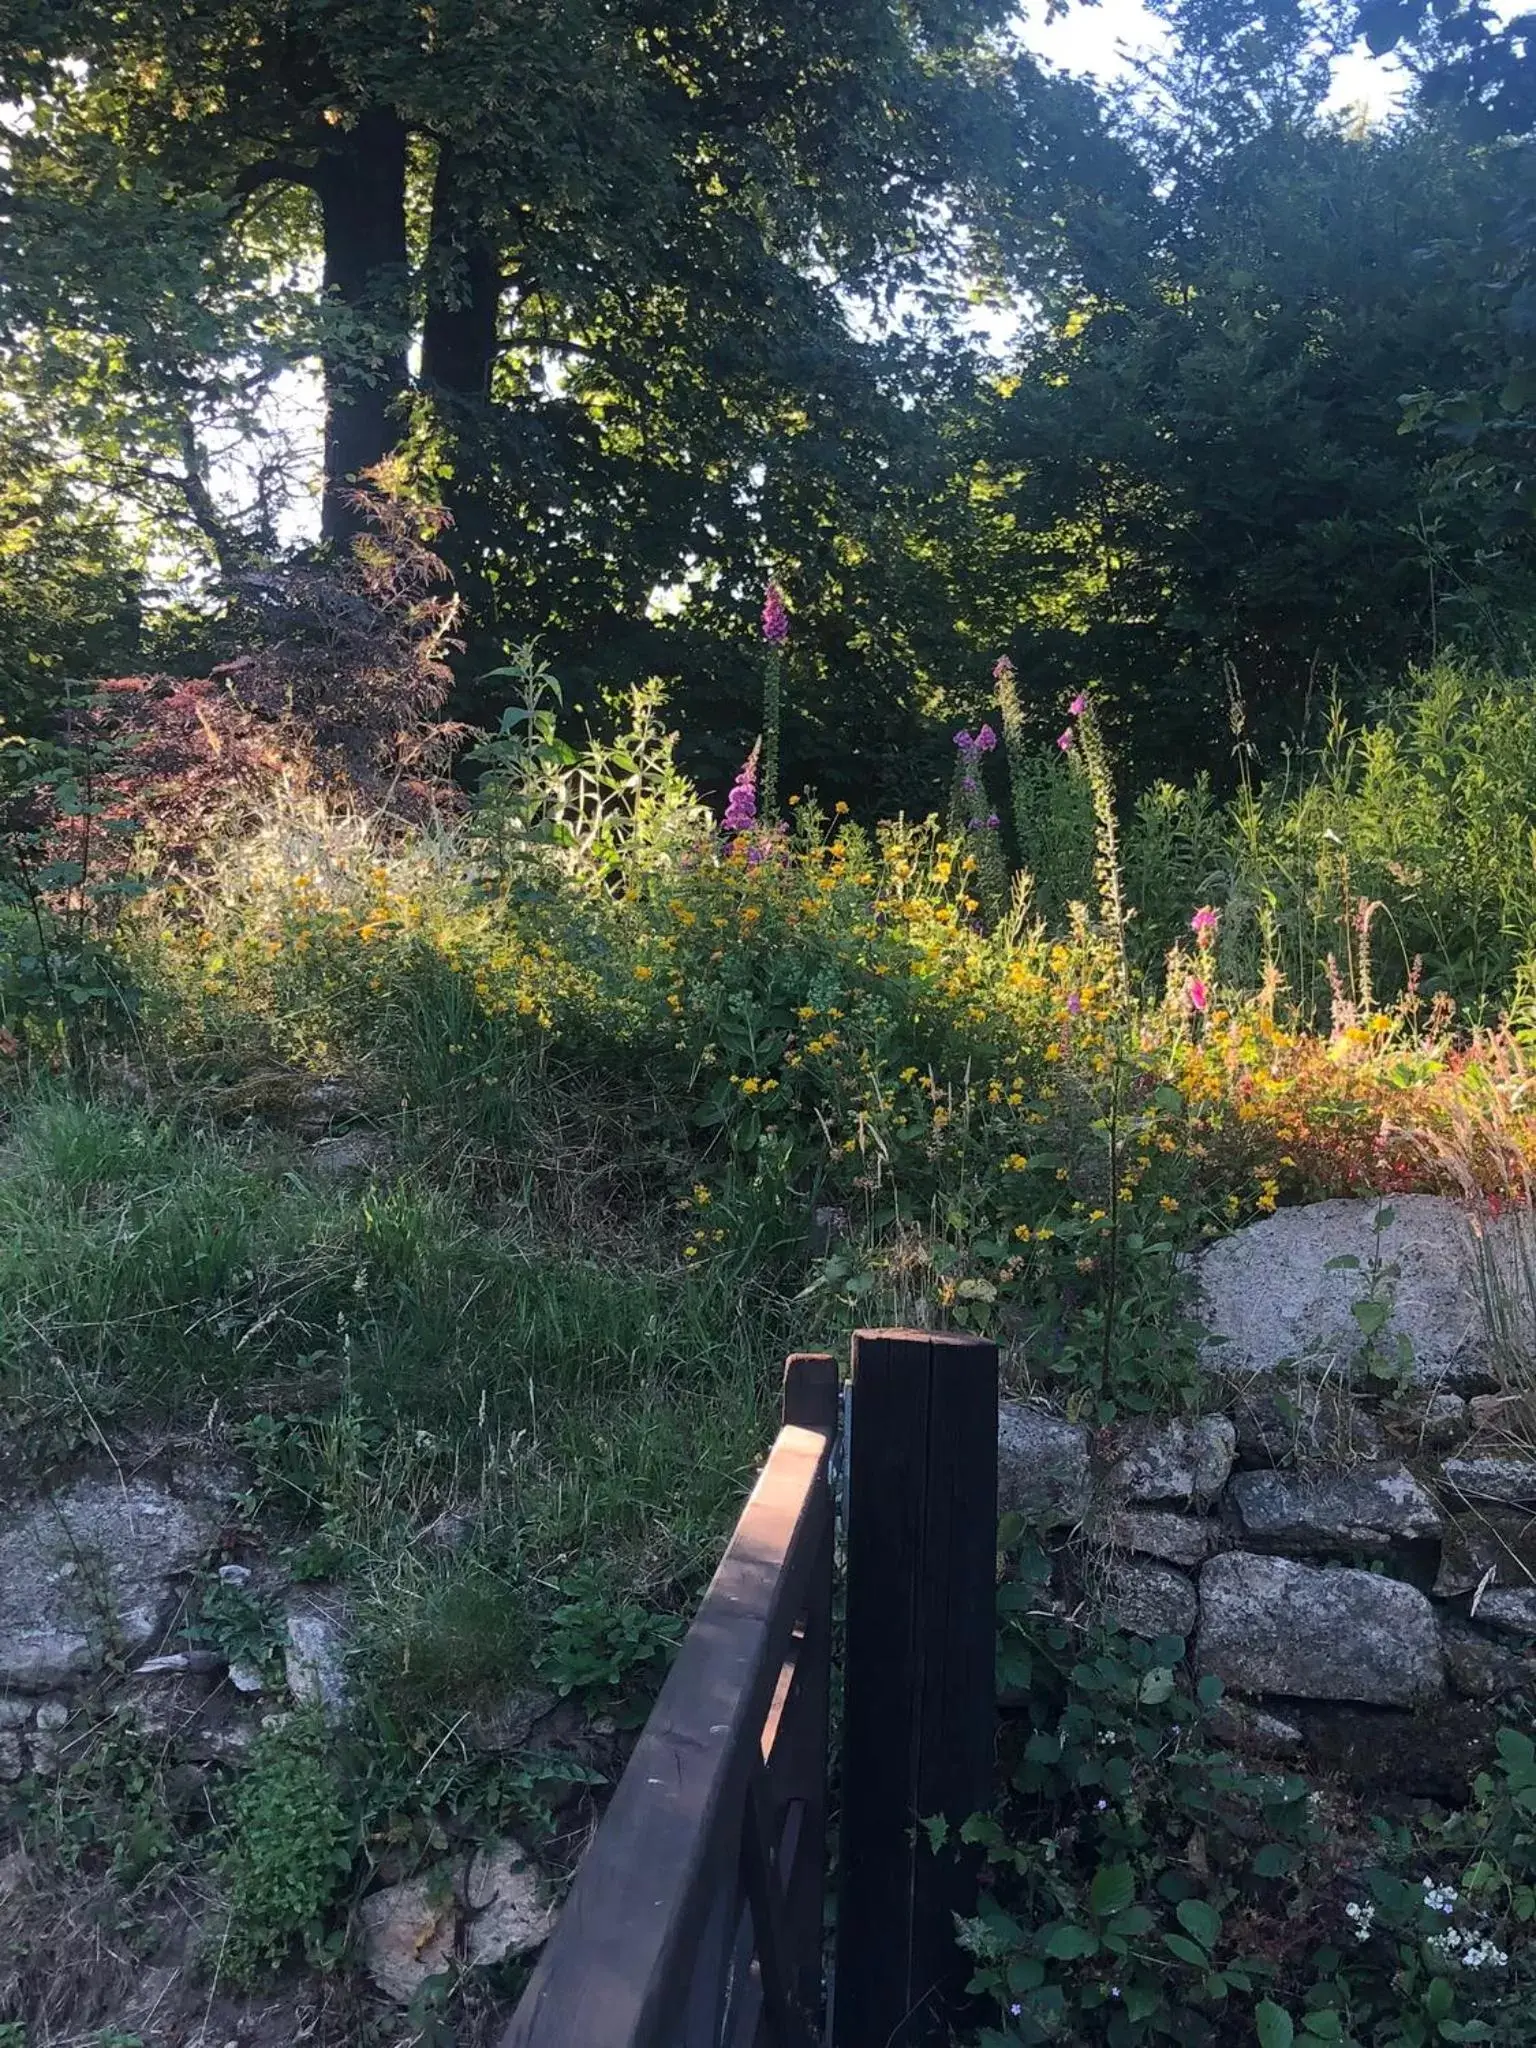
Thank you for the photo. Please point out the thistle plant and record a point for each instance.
(775, 633)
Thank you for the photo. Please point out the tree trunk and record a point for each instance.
(361, 183)
(459, 340)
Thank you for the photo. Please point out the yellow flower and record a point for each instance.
(643, 973)
(840, 808)
(1166, 1202)
(1016, 1163)
(1023, 1232)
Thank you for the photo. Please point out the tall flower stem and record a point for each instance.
(773, 665)
(775, 633)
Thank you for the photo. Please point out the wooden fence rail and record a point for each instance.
(695, 1920)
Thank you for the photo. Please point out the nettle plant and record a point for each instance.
(1144, 1885)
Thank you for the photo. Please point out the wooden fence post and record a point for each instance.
(918, 1689)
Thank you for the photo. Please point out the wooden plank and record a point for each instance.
(957, 1628)
(799, 1764)
(918, 1681)
(618, 1970)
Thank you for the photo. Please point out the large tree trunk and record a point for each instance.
(361, 183)
(460, 335)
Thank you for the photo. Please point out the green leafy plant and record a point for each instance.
(1147, 1885)
(604, 1646)
(240, 1625)
(287, 1848)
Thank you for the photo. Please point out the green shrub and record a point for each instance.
(1412, 840)
(287, 1849)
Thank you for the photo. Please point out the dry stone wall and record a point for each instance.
(1326, 1555)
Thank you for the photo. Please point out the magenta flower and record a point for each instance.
(1002, 669)
(986, 740)
(1199, 995)
(993, 822)
(1205, 924)
(741, 804)
(775, 616)
(1078, 705)
(964, 742)
(1074, 1004)
(1064, 740)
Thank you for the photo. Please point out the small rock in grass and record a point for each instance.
(12, 1762)
(351, 1156)
(1442, 1420)
(93, 1569)
(408, 1932)
(315, 1652)
(411, 1931)
(507, 1906)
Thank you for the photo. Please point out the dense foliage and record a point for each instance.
(655, 304)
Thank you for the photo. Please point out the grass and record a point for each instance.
(388, 1360)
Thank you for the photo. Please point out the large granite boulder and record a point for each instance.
(1269, 1625)
(1272, 1292)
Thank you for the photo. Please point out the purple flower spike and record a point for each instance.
(1064, 740)
(741, 805)
(964, 742)
(986, 740)
(1078, 705)
(1002, 669)
(775, 616)
(993, 822)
